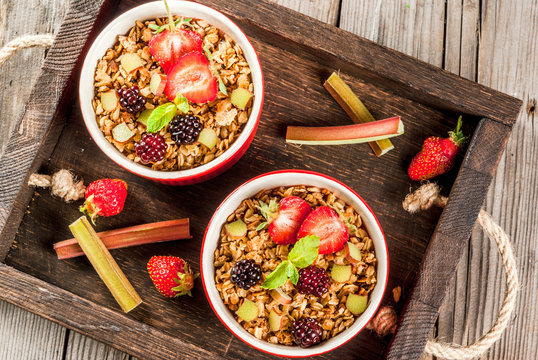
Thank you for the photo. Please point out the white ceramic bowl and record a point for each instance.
(288, 178)
(121, 25)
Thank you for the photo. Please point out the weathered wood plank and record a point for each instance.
(323, 10)
(81, 347)
(27, 336)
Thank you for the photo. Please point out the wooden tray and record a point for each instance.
(297, 53)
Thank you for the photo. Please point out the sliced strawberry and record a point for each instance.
(192, 78)
(169, 46)
(325, 223)
(292, 211)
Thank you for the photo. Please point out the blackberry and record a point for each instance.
(131, 99)
(246, 273)
(313, 280)
(150, 148)
(185, 129)
(306, 332)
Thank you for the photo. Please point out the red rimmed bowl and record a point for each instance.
(121, 25)
(289, 178)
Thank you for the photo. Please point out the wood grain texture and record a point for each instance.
(81, 347)
(323, 10)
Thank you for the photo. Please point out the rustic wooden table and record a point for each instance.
(493, 42)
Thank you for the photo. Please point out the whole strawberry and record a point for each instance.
(171, 275)
(437, 155)
(104, 197)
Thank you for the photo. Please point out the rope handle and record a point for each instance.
(423, 198)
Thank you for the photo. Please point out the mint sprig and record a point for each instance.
(161, 116)
(182, 103)
(303, 254)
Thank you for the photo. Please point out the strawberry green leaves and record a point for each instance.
(178, 23)
(222, 87)
(303, 254)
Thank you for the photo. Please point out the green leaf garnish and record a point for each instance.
(222, 87)
(278, 277)
(178, 23)
(182, 103)
(261, 226)
(268, 211)
(305, 251)
(161, 116)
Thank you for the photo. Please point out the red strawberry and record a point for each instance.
(171, 275)
(191, 77)
(437, 155)
(325, 223)
(286, 218)
(170, 45)
(104, 197)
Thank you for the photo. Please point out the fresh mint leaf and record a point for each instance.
(182, 103)
(293, 273)
(305, 251)
(278, 277)
(261, 226)
(161, 116)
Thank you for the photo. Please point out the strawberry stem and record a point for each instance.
(457, 136)
(170, 17)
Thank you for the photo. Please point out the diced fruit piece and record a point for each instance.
(171, 275)
(144, 115)
(279, 295)
(276, 319)
(347, 134)
(341, 273)
(356, 110)
(248, 311)
(208, 137)
(185, 129)
(291, 213)
(170, 45)
(157, 84)
(109, 100)
(121, 133)
(325, 223)
(131, 62)
(240, 98)
(236, 230)
(104, 197)
(246, 273)
(191, 77)
(356, 304)
(104, 264)
(353, 254)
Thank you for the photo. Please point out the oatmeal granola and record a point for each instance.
(218, 115)
(330, 310)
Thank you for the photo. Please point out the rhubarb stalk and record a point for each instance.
(130, 236)
(348, 134)
(104, 264)
(356, 110)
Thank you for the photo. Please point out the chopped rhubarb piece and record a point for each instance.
(144, 116)
(353, 254)
(104, 264)
(236, 229)
(348, 134)
(281, 296)
(240, 98)
(356, 110)
(248, 311)
(157, 84)
(356, 304)
(341, 273)
(121, 133)
(131, 62)
(208, 137)
(276, 319)
(109, 100)
(130, 236)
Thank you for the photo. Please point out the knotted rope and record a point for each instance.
(63, 184)
(24, 42)
(423, 198)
